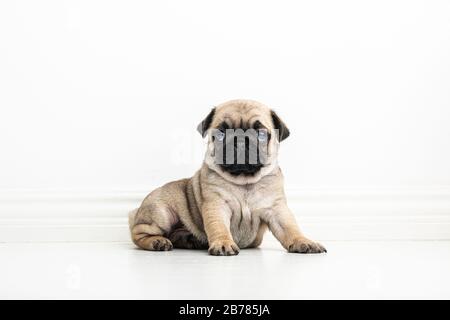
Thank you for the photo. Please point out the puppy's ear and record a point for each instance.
(283, 131)
(206, 123)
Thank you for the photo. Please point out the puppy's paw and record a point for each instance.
(158, 243)
(304, 245)
(223, 248)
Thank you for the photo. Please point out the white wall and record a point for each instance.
(363, 85)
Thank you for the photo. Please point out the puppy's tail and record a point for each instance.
(131, 217)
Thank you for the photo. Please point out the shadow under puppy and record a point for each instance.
(226, 205)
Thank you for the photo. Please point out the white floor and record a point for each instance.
(117, 270)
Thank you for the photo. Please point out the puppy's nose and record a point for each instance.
(244, 153)
(241, 146)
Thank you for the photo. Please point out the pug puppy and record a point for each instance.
(235, 196)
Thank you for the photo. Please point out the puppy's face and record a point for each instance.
(243, 138)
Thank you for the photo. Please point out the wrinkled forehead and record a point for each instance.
(243, 116)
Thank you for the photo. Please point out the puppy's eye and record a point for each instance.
(262, 135)
(220, 135)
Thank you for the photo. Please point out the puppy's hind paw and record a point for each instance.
(223, 248)
(303, 245)
(156, 243)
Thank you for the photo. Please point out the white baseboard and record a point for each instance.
(324, 214)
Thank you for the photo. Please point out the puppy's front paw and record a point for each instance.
(304, 245)
(223, 248)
